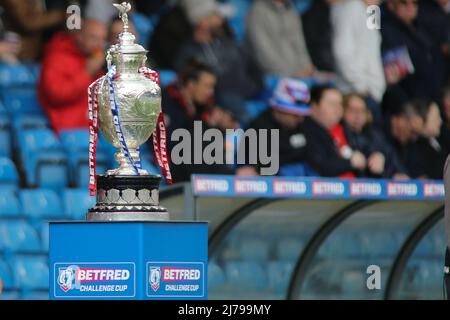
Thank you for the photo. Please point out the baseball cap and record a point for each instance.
(292, 96)
(197, 9)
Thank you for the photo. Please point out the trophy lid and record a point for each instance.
(126, 39)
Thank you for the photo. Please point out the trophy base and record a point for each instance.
(127, 198)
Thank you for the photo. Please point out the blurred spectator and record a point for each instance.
(171, 31)
(1, 286)
(211, 43)
(30, 20)
(288, 107)
(357, 52)
(152, 7)
(101, 10)
(10, 48)
(71, 63)
(428, 155)
(400, 28)
(399, 135)
(323, 154)
(445, 128)
(275, 36)
(191, 99)
(435, 20)
(318, 34)
(382, 161)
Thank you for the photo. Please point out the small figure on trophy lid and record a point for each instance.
(124, 8)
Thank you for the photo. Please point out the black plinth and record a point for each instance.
(128, 198)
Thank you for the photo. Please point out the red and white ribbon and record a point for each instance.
(159, 135)
(93, 133)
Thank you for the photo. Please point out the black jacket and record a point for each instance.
(172, 29)
(371, 140)
(318, 34)
(292, 143)
(177, 117)
(427, 159)
(322, 153)
(426, 81)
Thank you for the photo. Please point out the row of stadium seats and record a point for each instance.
(274, 276)
(356, 244)
(24, 277)
(45, 204)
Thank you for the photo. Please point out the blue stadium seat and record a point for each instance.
(166, 77)
(77, 202)
(30, 272)
(353, 283)
(76, 144)
(9, 178)
(143, 26)
(237, 22)
(43, 158)
(5, 136)
(41, 204)
(21, 100)
(10, 295)
(254, 249)
(9, 204)
(279, 273)
(53, 175)
(25, 121)
(35, 295)
(18, 236)
(6, 276)
(216, 277)
(35, 70)
(255, 107)
(44, 234)
(289, 249)
(292, 170)
(427, 273)
(15, 75)
(147, 165)
(75, 140)
(248, 275)
(3, 110)
(302, 5)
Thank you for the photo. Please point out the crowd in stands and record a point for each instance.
(350, 100)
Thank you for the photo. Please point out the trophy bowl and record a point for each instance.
(139, 104)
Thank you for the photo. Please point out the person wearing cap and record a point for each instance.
(328, 152)
(212, 43)
(288, 106)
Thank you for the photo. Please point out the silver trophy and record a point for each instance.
(127, 193)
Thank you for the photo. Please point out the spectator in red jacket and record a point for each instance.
(71, 63)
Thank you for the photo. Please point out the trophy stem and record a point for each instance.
(125, 167)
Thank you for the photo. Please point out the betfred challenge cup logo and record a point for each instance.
(155, 278)
(66, 278)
